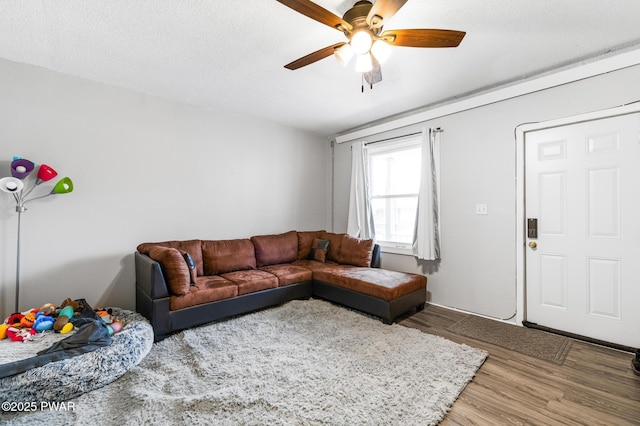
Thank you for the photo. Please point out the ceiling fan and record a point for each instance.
(362, 25)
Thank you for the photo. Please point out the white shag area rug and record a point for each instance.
(302, 363)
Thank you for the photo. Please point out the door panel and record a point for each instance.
(603, 202)
(552, 280)
(582, 183)
(553, 203)
(604, 287)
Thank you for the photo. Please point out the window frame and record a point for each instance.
(401, 143)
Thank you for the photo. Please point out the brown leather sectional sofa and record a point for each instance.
(181, 284)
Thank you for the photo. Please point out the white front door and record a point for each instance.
(582, 184)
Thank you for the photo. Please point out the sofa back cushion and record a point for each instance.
(193, 247)
(275, 249)
(354, 251)
(305, 241)
(174, 268)
(222, 256)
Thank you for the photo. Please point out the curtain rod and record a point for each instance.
(437, 130)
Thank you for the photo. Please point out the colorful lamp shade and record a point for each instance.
(20, 168)
(45, 173)
(11, 185)
(64, 186)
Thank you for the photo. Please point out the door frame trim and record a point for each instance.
(520, 136)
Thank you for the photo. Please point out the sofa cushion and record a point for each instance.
(207, 289)
(221, 256)
(305, 241)
(314, 264)
(250, 281)
(289, 274)
(319, 250)
(275, 249)
(376, 282)
(333, 253)
(173, 267)
(193, 247)
(354, 251)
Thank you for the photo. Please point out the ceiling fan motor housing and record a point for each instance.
(357, 17)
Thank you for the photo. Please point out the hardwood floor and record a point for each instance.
(594, 386)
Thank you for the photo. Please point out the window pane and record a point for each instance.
(395, 172)
(394, 218)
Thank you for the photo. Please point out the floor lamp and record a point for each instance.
(15, 184)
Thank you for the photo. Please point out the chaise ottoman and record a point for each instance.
(376, 291)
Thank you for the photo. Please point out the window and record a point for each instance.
(394, 183)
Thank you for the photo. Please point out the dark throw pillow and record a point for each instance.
(319, 250)
(191, 265)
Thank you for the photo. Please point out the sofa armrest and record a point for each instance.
(149, 277)
(375, 256)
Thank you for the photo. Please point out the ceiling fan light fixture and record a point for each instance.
(363, 25)
(381, 50)
(344, 54)
(361, 42)
(364, 63)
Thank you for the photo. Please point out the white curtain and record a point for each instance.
(360, 220)
(426, 237)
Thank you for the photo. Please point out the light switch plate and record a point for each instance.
(481, 209)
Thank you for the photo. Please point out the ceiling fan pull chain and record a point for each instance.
(362, 83)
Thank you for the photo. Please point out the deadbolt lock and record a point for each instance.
(532, 227)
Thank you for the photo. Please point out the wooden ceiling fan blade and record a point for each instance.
(423, 37)
(317, 13)
(314, 57)
(383, 10)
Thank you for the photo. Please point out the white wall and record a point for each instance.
(477, 272)
(144, 169)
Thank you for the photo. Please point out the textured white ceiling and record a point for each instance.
(229, 54)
